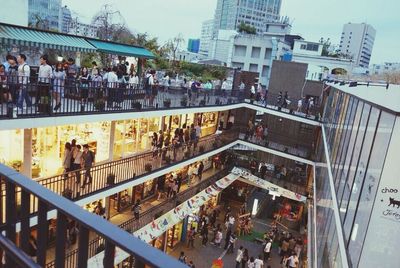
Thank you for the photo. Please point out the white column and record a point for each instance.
(112, 138)
(27, 157)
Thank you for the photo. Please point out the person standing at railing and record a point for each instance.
(112, 85)
(136, 209)
(12, 80)
(279, 99)
(96, 85)
(58, 84)
(44, 77)
(87, 162)
(300, 105)
(84, 80)
(160, 142)
(71, 71)
(148, 87)
(77, 161)
(154, 141)
(133, 80)
(286, 100)
(3, 84)
(24, 72)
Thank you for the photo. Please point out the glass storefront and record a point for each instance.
(12, 148)
(48, 145)
(174, 236)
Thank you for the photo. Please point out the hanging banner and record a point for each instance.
(247, 177)
(156, 228)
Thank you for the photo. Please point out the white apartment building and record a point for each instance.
(82, 29)
(230, 13)
(207, 28)
(357, 41)
(253, 53)
(387, 67)
(319, 67)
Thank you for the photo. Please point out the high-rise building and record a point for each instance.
(206, 36)
(193, 45)
(44, 14)
(357, 41)
(229, 14)
(65, 19)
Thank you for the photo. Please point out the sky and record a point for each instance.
(311, 19)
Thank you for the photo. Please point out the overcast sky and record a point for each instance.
(312, 19)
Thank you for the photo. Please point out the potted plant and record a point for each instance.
(148, 167)
(167, 103)
(184, 101)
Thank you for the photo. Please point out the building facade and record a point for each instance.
(229, 14)
(82, 29)
(357, 41)
(45, 14)
(253, 53)
(207, 28)
(65, 19)
(387, 67)
(193, 45)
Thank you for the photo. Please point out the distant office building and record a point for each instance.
(44, 14)
(17, 18)
(357, 41)
(387, 67)
(65, 19)
(193, 45)
(206, 36)
(82, 29)
(230, 13)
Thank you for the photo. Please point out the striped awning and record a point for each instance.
(10, 34)
(121, 49)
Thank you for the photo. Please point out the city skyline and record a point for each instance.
(320, 24)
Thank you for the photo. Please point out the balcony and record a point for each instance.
(18, 251)
(71, 98)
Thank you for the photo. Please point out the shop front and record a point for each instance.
(290, 213)
(48, 145)
(12, 148)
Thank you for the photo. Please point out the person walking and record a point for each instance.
(293, 261)
(88, 161)
(67, 159)
(77, 161)
(251, 263)
(200, 170)
(239, 257)
(182, 258)
(24, 72)
(245, 257)
(258, 262)
(267, 250)
(232, 241)
(136, 209)
(84, 80)
(218, 238)
(191, 235)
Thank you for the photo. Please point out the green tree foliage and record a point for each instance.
(246, 28)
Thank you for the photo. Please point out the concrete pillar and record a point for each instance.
(27, 157)
(112, 138)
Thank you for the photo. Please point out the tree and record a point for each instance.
(111, 24)
(171, 47)
(246, 28)
(326, 45)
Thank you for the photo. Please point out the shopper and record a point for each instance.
(245, 257)
(267, 250)
(190, 236)
(258, 262)
(218, 238)
(87, 162)
(24, 72)
(204, 234)
(239, 256)
(136, 209)
(293, 261)
(67, 159)
(77, 164)
(200, 170)
(84, 80)
(232, 241)
(182, 257)
(12, 79)
(58, 85)
(251, 263)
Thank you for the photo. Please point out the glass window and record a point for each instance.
(12, 148)
(341, 180)
(354, 160)
(368, 192)
(360, 172)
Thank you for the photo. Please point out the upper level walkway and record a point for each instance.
(97, 101)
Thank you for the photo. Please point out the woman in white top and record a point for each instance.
(58, 84)
(133, 80)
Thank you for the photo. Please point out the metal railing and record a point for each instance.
(16, 206)
(146, 217)
(30, 98)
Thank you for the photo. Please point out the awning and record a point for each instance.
(10, 34)
(121, 49)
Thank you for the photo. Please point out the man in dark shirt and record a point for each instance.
(88, 161)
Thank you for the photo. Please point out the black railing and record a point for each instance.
(133, 224)
(55, 97)
(16, 206)
(29, 98)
